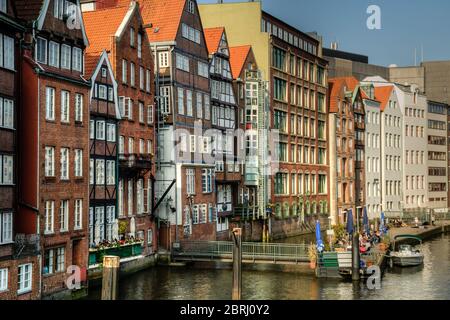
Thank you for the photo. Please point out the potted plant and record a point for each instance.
(123, 227)
(312, 253)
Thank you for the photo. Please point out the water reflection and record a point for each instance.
(430, 281)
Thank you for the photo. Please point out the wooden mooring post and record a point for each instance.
(110, 281)
(237, 264)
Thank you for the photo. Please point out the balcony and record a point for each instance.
(123, 251)
(135, 161)
(26, 245)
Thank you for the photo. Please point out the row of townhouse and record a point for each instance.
(403, 154)
(211, 176)
(128, 121)
(77, 144)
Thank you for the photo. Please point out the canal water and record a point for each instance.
(429, 282)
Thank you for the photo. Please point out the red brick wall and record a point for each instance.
(72, 136)
(133, 128)
(12, 266)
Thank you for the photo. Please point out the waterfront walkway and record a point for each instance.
(422, 232)
(252, 252)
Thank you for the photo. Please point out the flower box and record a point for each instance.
(123, 251)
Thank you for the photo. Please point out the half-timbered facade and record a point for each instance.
(103, 151)
(127, 44)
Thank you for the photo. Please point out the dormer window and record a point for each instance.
(103, 72)
(62, 8)
(191, 6)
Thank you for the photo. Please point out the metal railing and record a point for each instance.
(253, 251)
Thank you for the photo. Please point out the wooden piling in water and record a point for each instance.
(237, 264)
(110, 282)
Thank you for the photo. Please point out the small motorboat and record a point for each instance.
(406, 255)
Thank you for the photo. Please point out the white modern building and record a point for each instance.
(413, 159)
(373, 152)
(391, 150)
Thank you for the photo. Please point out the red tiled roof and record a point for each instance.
(28, 10)
(212, 38)
(336, 86)
(101, 26)
(164, 15)
(90, 63)
(238, 56)
(383, 94)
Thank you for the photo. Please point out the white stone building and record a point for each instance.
(413, 162)
(373, 152)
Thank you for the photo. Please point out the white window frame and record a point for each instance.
(130, 145)
(130, 197)
(124, 71)
(66, 57)
(207, 180)
(189, 111)
(91, 171)
(41, 43)
(4, 279)
(141, 146)
(6, 113)
(164, 93)
(120, 198)
(65, 106)
(50, 103)
(78, 163)
(207, 106)
(139, 38)
(49, 217)
(79, 107)
(77, 59)
(141, 78)
(111, 132)
(6, 169)
(53, 54)
(141, 112)
(64, 216)
(203, 70)
(100, 130)
(49, 161)
(6, 228)
(99, 171)
(148, 77)
(190, 181)
(163, 58)
(132, 74)
(182, 62)
(110, 172)
(24, 278)
(199, 105)
(180, 100)
(64, 161)
(102, 92)
(60, 265)
(150, 114)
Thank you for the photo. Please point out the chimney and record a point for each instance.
(334, 46)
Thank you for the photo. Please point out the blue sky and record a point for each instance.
(406, 25)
